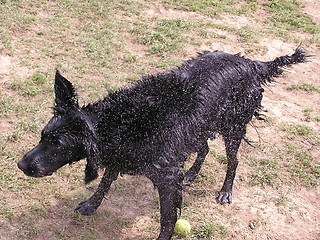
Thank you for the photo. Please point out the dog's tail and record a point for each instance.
(274, 67)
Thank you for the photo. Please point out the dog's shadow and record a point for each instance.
(127, 212)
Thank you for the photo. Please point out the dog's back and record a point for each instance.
(168, 113)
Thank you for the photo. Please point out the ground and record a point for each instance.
(102, 46)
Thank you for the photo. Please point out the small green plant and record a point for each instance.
(61, 234)
(308, 113)
(5, 41)
(302, 165)
(263, 176)
(265, 172)
(7, 212)
(5, 104)
(304, 86)
(166, 37)
(130, 59)
(281, 201)
(38, 78)
(210, 230)
(297, 129)
(222, 159)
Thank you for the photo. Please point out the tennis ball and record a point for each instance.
(182, 228)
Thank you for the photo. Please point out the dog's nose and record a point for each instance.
(22, 165)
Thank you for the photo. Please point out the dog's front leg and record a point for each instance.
(169, 184)
(89, 206)
(232, 146)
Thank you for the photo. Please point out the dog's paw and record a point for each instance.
(86, 208)
(224, 197)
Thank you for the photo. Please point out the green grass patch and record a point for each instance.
(298, 129)
(31, 87)
(212, 7)
(302, 165)
(6, 104)
(287, 14)
(209, 230)
(5, 41)
(281, 201)
(166, 37)
(304, 86)
(6, 212)
(264, 173)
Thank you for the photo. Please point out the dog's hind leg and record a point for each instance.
(232, 146)
(168, 181)
(192, 173)
(89, 206)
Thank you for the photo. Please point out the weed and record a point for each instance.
(211, 7)
(6, 105)
(304, 86)
(265, 172)
(39, 209)
(61, 233)
(297, 129)
(5, 41)
(7, 212)
(308, 113)
(209, 230)
(263, 176)
(130, 59)
(122, 223)
(30, 87)
(246, 34)
(165, 37)
(302, 165)
(222, 158)
(38, 78)
(281, 201)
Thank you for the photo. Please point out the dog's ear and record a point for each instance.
(93, 159)
(66, 96)
(91, 171)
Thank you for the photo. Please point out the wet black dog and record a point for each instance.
(151, 127)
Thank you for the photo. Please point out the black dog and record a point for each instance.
(151, 127)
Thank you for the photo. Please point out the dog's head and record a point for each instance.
(68, 137)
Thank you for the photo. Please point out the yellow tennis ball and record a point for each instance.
(182, 228)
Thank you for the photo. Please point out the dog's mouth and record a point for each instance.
(35, 170)
(40, 175)
(37, 174)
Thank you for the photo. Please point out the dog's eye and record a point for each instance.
(56, 144)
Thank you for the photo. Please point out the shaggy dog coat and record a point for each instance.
(151, 127)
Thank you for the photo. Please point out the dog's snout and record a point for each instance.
(22, 165)
(26, 164)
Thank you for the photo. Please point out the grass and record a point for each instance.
(311, 115)
(304, 86)
(211, 7)
(166, 37)
(101, 46)
(209, 230)
(287, 14)
(264, 173)
(302, 165)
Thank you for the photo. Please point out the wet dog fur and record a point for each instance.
(152, 126)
